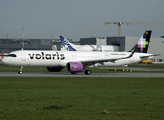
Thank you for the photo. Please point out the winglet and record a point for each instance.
(132, 53)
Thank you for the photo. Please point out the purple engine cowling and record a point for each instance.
(54, 69)
(74, 67)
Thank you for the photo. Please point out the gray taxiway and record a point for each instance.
(128, 72)
(66, 74)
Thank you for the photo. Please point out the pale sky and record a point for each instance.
(77, 19)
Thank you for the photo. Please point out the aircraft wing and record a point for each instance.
(91, 62)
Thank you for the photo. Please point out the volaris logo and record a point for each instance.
(43, 56)
(142, 43)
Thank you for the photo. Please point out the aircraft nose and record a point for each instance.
(5, 61)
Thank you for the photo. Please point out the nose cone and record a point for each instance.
(5, 61)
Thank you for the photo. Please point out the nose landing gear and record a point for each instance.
(21, 70)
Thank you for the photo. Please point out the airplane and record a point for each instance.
(98, 48)
(75, 61)
(145, 39)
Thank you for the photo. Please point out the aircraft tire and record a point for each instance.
(73, 72)
(20, 72)
(87, 72)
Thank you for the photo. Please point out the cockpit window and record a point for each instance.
(11, 55)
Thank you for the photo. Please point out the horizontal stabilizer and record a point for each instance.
(150, 55)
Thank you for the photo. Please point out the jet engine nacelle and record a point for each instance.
(54, 69)
(74, 67)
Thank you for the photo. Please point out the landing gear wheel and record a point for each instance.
(87, 72)
(73, 72)
(21, 70)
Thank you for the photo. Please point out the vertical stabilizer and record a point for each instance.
(66, 44)
(143, 43)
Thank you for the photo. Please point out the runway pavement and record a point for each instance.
(154, 73)
(66, 74)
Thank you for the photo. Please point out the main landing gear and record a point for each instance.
(87, 72)
(73, 72)
(21, 70)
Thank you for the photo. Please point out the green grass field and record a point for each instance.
(81, 98)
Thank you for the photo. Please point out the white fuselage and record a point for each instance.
(61, 58)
